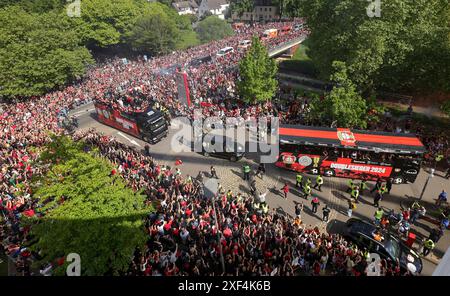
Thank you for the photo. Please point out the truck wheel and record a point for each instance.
(398, 180)
(314, 171)
(329, 173)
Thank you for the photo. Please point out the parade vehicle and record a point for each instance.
(225, 51)
(349, 153)
(388, 246)
(271, 33)
(151, 125)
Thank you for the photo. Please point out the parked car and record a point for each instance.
(390, 247)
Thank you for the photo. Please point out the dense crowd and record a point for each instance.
(186, 239)
(182, 232)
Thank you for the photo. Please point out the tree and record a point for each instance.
(241, 6)
(187, 36)
(85, 211)
(343, 106)
(38, 52)
(257, 73)
(103, 22)
(407, 48)
(213, 28)
(156, 31)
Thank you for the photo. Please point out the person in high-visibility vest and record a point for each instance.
(378, 215)
(308, 182)
(265, 208)
(319, 182)
(298, 180)
(246, 169)
(306, 191)
(428, 246)
(379, 195)
(350, 185)
(355, 193)
(363, 186)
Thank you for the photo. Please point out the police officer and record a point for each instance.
(355, 193)
(428, 246)
(350, 185)
(306, 191)
(319, 182)
(246, 169)
(308, 182)
(378, 215)
(377, 186)
(298, 180)
(363, 186)
(379, 195)
(389, 185)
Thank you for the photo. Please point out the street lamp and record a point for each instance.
(431, 175)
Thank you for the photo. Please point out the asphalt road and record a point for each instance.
(333, 191)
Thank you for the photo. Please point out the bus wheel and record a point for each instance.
(233, 158)
(206, 154)
(314, 171)
(398, 180)
(329, 173)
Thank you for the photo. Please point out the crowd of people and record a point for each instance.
(182, 233)
(188, 233)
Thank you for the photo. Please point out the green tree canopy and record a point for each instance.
(257, 73)
(343, 106)
(156, 30)
(37, 52)
(406, 48)
(213, 28)
(103, 22)
(87, 211)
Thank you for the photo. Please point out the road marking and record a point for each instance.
(79, 113)
(130, 140)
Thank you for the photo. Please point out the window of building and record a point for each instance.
(265, 8)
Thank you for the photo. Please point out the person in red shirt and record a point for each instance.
(285, 190)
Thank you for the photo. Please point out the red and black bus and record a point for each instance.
(151, 126)
(349, 153)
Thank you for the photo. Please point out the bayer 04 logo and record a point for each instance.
(305, 160)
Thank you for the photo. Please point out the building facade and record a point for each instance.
(186, 7)
(263, 11)
(215, 7)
